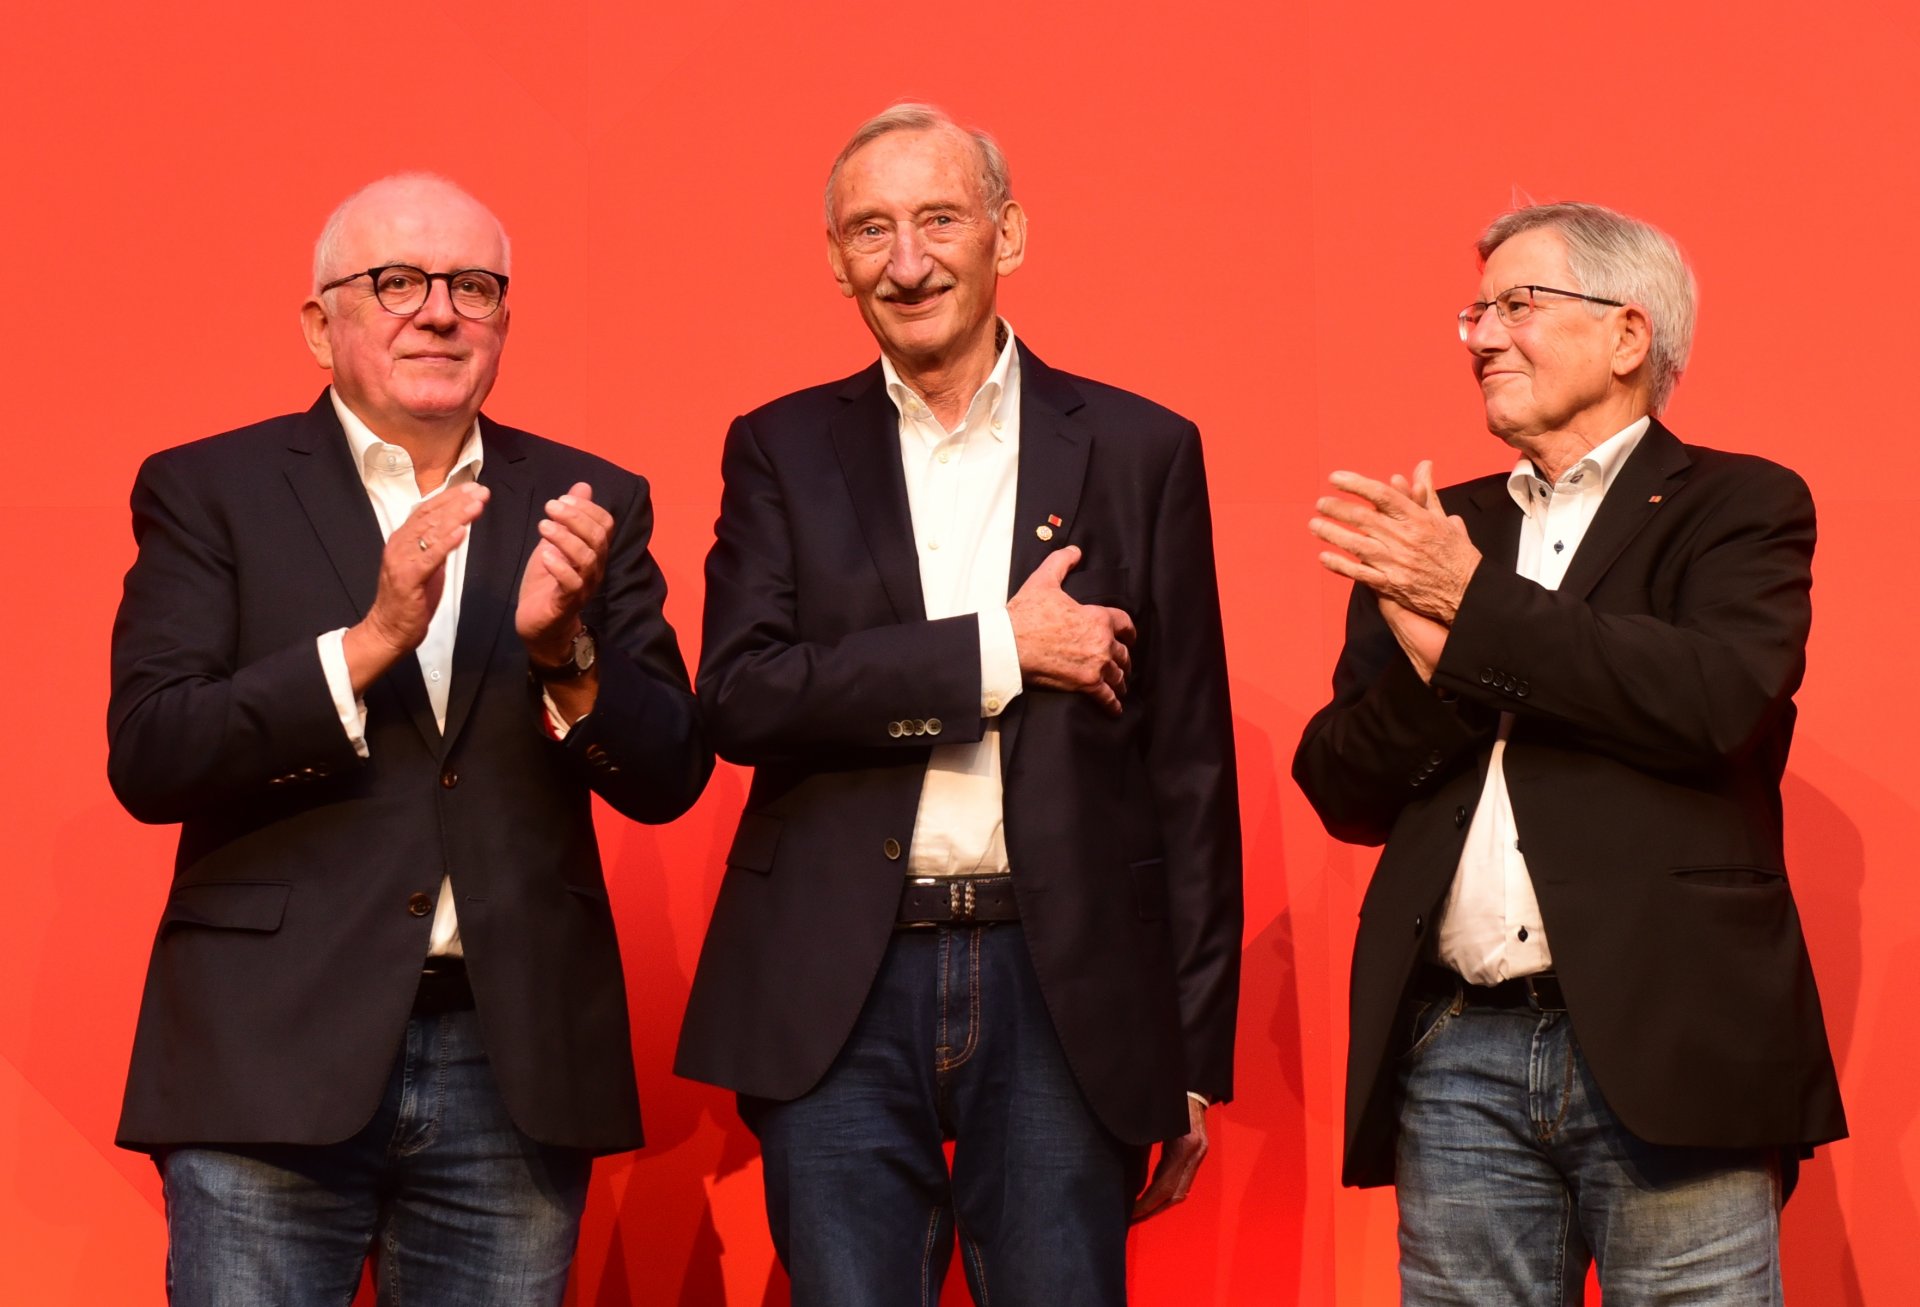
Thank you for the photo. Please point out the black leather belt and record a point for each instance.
(443, 988)
(957, 901)
(1540, 992)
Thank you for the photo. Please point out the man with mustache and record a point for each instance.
(376, 658)
(1584, 1025)
(962, 621)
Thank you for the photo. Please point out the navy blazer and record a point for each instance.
(1122, 832)
(1653, 703)
(291, 942)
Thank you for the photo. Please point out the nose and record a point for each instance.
(1489, 335)
(437, 314)
(907, 261)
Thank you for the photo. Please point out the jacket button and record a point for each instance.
(597, 756)
(419, 904)
(1459, 817)
(449, 778)
(892, 849)
(1418, 922)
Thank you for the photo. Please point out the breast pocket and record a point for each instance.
(1105, 585)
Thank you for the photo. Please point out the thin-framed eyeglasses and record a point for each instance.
(1515, 305)
(402, 289)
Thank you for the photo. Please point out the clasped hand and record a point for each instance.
(1068, 645)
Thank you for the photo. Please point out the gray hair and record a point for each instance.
(1620, 258)
(326, 250)
(996, 186)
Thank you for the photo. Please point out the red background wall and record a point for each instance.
(1258, 214)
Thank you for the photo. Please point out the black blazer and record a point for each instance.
(1653, 702)
(287, 954)
(1123, 833)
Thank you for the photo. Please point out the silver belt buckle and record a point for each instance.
(960, 900)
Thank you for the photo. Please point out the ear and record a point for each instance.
(315, 325)
(837, 260)
(1012, 238)
(1632, 341)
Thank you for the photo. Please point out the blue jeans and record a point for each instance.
(465, 1209)
(1513, 1176)
(954, 1043)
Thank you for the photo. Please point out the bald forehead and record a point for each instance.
(423, 220)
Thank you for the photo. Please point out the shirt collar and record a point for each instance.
(990, 400)
(1592, 474)
(370, 453)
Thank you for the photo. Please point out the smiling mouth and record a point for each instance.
(913, 299)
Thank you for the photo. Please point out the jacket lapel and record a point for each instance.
(1054, 446)
(1646, 482)
(866, 436)
(497, 551)
(329, 488)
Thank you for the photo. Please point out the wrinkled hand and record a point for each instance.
(413, 572)
(1398, 541)
(563, 572)
(1179, 1161)
(1068, 645)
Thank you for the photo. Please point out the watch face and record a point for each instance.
(583, 650)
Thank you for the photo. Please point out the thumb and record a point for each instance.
(1054, 567)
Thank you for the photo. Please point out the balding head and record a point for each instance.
(418, 193)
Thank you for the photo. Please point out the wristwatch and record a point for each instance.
(579, 661)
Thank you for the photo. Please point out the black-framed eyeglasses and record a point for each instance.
(1515, 305)
(402, 289)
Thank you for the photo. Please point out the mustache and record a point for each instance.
(892, 290)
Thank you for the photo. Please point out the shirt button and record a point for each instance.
(434, 675)
(892, 849)
(419, 904)
(933, 544)
(998, 425)
(449, 778)
(1523, 929)
(943, 456)
(993, 703)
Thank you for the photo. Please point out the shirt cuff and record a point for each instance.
(557, 725)
(353, 712)
(999, 662)
(1199, 1098)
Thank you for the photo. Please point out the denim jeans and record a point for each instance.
(954, 1043)
(458, 1207)
(1513, 1176)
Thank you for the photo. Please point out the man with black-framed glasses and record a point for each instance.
(1584, 1024)
(375, 658)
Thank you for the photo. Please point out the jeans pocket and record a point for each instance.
(1426, 1018)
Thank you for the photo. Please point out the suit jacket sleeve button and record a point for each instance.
(895, 729)
(419, 904)
(1486, 676)
(1459, 817)
(892, 849)
(1521, 689)
(933, 726)
(449, 778)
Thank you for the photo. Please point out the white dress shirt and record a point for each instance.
(387, 472)
(960, 495)
(1490, 927)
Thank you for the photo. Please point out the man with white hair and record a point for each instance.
(962, 622)
(375, 658)
(1584, 1024)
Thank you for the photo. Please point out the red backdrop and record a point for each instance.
(1258, 214)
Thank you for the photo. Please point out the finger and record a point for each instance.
(1350, 512)
(1121, 657)
(580, 553)
(1341, 565)
(1378, 493)
(1424, 493)
(1354, 542)
(582, 515)
(1159, 1192)
(1104, 698)
(1122, 624)
(565, 575)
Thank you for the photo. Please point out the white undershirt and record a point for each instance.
(1490, 927)
(387, 472)
(960, 495)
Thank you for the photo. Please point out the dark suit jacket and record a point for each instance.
(1123, 833)
(1653, 702)
(287, 954)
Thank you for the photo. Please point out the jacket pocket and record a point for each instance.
(754, 842)
(1150, 888)
(228, 905)
(1103, 585)
(1729, 877)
